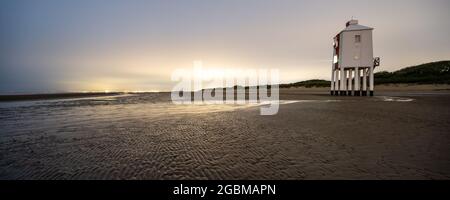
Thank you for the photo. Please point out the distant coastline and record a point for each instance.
(27, 97)
(431, 76)
(433, 73)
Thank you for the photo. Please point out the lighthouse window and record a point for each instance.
(357, 38)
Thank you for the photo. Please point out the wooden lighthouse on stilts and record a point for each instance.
(353, 61)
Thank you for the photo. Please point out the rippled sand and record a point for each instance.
(144, 136)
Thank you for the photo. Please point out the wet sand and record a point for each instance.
(395, 135)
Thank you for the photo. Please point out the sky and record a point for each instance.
(135, 45)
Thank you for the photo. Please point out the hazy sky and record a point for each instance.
(58, 45)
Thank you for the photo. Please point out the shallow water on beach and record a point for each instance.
(21, 117)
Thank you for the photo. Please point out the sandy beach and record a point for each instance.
(398, 134)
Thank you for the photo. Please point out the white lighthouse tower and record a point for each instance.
(353, 61)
